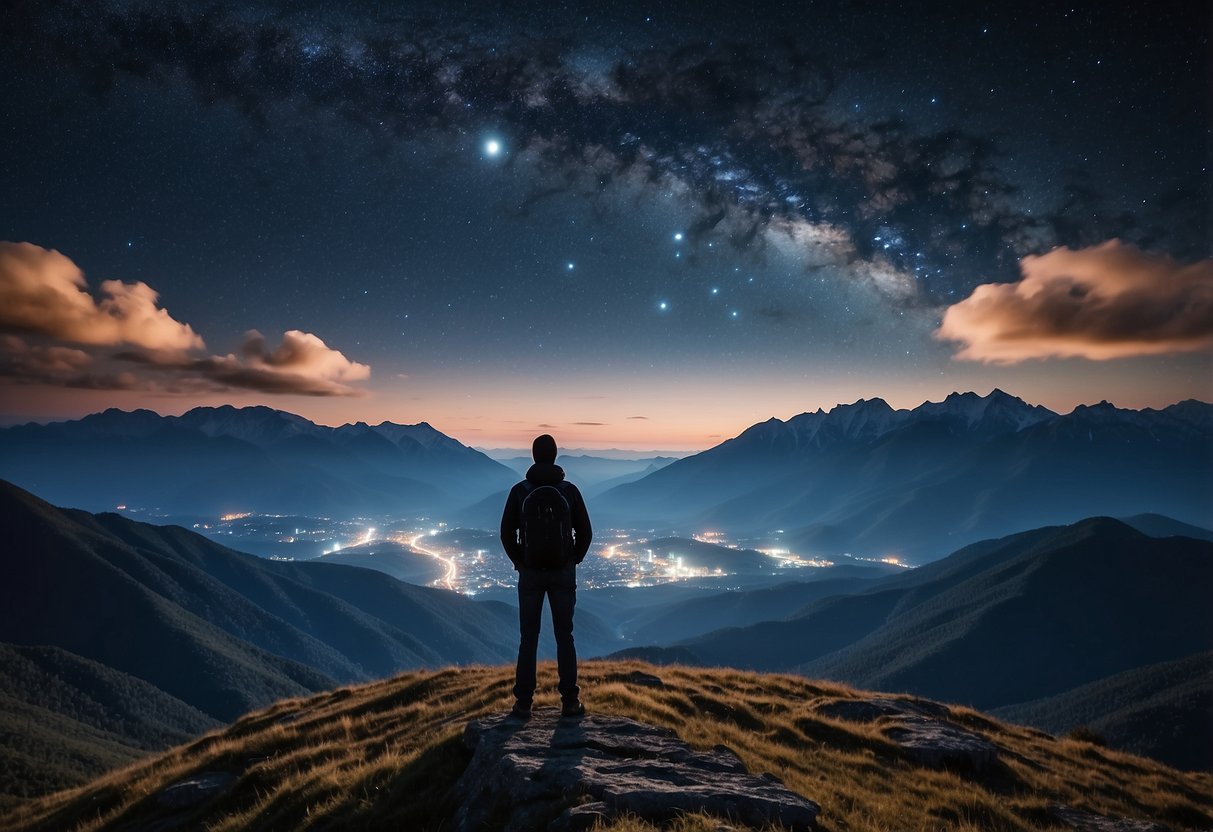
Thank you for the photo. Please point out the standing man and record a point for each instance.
(545, 530)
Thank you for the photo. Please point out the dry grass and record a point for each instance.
(385, 755)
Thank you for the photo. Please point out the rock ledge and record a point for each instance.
(924, 731)
(561, 774)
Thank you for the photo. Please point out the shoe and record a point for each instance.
(574, 708)
(521, 710)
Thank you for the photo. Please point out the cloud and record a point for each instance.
(1108, 301)
(302, 365)
(43, 292)
(53, 332)
(302, 353)
(591, 424)
(21, 360)
(639, 417)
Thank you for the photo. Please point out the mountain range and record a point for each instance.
(1048, 625)
(870, 480)
(215, 460)
(862, 478)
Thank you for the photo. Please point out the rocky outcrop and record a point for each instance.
(1083, 821)
(196, 789)
(562, 774)
(644, 680)
(923, 731)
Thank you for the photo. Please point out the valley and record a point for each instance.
(470, 561)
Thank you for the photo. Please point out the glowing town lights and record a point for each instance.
(370, 535)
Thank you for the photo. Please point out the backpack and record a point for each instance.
(547, 528)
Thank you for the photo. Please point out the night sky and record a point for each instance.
(644, 226)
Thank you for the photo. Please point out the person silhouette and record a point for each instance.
(545, 530)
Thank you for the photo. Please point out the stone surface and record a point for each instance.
(563, 775)
(647, 680)
(1084, 821)
(870, 710)
(922, 730)
(195, 790)
(936, 743)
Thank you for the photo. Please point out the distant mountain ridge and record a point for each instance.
(221, 459)
(1163, 710)
(867, 479)
(594, 474)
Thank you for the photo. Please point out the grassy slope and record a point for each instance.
(383, 756)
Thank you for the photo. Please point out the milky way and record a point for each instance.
(743, 125)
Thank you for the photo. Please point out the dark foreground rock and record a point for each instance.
(196, 789)
(922, 730)
(1082, 821)
(554, 774)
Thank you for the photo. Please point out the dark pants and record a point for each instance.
(560, 587)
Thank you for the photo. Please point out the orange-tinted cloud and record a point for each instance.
(44, 293)
(58, 334)
(302, 365)
(22, 360)
(1109, 301)
(302, 353)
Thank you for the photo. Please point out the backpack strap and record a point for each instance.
(528, 487)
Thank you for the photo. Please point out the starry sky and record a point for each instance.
(642, 226)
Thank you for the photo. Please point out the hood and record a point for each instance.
(545, 473)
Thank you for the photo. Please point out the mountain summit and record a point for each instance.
(212, 460)
(699, 748)
(869, 480)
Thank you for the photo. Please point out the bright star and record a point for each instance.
(569, 266)
(492, 147)
(715, 290)
(678, 237)
(663, 306)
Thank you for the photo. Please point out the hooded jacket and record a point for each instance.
(511, 519)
